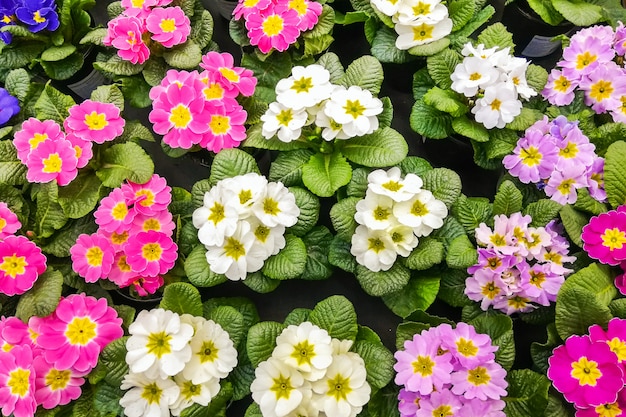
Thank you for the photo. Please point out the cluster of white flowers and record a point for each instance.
(242, 223)
(393, 214)
(174, 361)
(417, 22)
(310, 374)
(494, 80)
(308, 97)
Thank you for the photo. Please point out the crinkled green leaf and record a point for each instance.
(615, 175)
(540, 352)
(546, 10)
(618, 308)
(134, 130)
(358, 183)
(525, 119)
(155, 70)
(287, 168)
(384, 47)
(324, 174)
(15, 200)
(430, 48)
(378, 360)
(342, 217)
(414, 165)
(262, 340)
(384, 147)
(57, 53)
(125, 161)
(198, 271)
(470, 128)
(527, 393)
(383, 282)
(202, 28)
(95, 36)
(185, 56)
(317, 44)
(536, 77)
(595, 279)
(452, 289)
(137, 91)
(573, 221)
(109, 94)
(577, 309)
(441, 66)
(508, 199)
(53, 105)
(337, 316)
(500, 328)
(232, 162)
(325, 22)
(339, 255)
(106, 399)
(297, 316)
(461, 12)
(12, 171)
(182, 298)
(542, 211)
(13, 58)
(496, 35)
(450, 230)
(446, 101)
(80, 196)
(17, 83)
(331, 62)
(231, 321)
(309, 206)
(430, 122)
(588, 204)
(42, 299)
(419, 294)
(117, 66)
(580, 13)
(428, 253)
(113, 357)
(49, 216)
(317, 243)
(260, 283)
(444, 183)
(365, 72)
(269, 71)
(461, 254)
(289, 262)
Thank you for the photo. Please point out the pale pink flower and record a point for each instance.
(52, 160)
(32, 133)
(150, 197)
(124, 33)
(151, 253)
(169, 26)
(92, 256)
(95, 121)
(21, 263)
(9, 223)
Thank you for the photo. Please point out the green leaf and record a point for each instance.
(430, 48)
(542, 211)
(450, 230)
(383, 282)
(287, 168)
(342, 217)
(588, 204)
(258, 282)
(315, 45)
(618, 308)
(317, 243)
(527, 394)
(384, 47)
(452, 289)
(358, 183)
(430, 122)
(42, 299)
(113, 357)
(446, 101)
(134, 130)
(596, 279)
(64, 69)
(53, 105)
(106, 399)
(231, 162)
(182, 298)
(137, 91)
(461, 12)
(428, 253)
(57, 53)
(496, 35)
(500, 328)
(109, 94)
(309, 206)
(80, 196)
(270, 71)
(573, 221)
(546, 10)
(255, 139)
(580, 13)
(12, 171)
(508, 199)
(469, 128)
(117, 66)
(615, 175)
(384, 147)
(324, 174)
(297, 316)
(289, 262)
(336, 315)
(365, 72)
(94, 36)
(49, 216)
(231, 321)
(17, 83)
(202, 28)
(462, 253)
(331, 62)
(378, 360)
(536, 77)
(419, 294)
(14, 199)
(339, 255)
(262, 340)
(576, 310)
(444, 183)
(198, 271)
(13, 58)
(441, 66)
(325, 22)
(125, 161)
(185, 56)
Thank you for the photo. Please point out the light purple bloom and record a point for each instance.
(584, 57)
(467, 347)
(576, 149)
(533, 158)
(604, 86)
(485, 381)
(559, 90)
(562, 185)
(408, 402)
(438, 403)
(595, 178)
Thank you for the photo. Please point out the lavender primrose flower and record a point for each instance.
(38, 15)
(9, 106)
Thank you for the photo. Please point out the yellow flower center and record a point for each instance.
(282, 387)
(94, 256)
(208, 352)
(302, 85)
(421, 9)
(494, 263)
(229, 74)
(120, 211)
(466, 347)
(270, 206)
(159, 344)
(190, 390)
(168, 25)
(423, 32)
(214, 92)
(13, 265)
(497, 239)
(37, 17)
(478, 376)
(245, 196)
(423, 365)
(18, 382)
(149, 200)
(79, 151)
(137, 3)
(151, 252)
(119, 238)
(561, 84)
(299, 6)
(217, 213)
(80, 331)
(273, 25)
(234, 248)
(419, 209)
(376, 244)
(96, 121)
(495, 105)
(490, 290)
(57, 380)
(392, 186)
(443, 410)
(354, 108)
(339, 388)
(565, 187)
(3, 224)
(262, 233)
(531, 156)
(180, 116)
(52, 164)
(475, 76)
(303, 352)
(537, 278)
(569, 151)
(618, 347)
(220, 125)
(609, 410)
(586, 371)
(123, 265)
(36, 140)
(584, 60)
(152, 224)
(518, 302)
(613, 238)
(152, 393)
(284, 117)
(381, 213)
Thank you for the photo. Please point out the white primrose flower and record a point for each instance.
(374, 249)
(306, 87)
(473, 73)
(478, 51)
(283, 122)
(278, 388)
(277, 206)
(516, 75)
(498, 106)
(423, 213)
(148, 397)
(403, 238)
(422, 33)
(355, 109)
(158, 345)
(341, 346)
(375, 211)
(501, 59)
(428, 11)
(238, 255)
(306, 348)
(191, 393)
(270, 239)
(386, 7)
(344, 390)
(391, 184)
(217, 218)
(245, 189)
(213, 354)
(331, 129)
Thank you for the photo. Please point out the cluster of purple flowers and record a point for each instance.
(589, 370)
(518, 265)
(592, 63)
(444, 370)
(9, 105)
(559, 158)
(36, 15)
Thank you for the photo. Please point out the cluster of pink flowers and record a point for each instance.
(144, 20)
(592, 63)
(43, 363)
(604, 239)
(447, 371)
(133, 244)
(589, 370)
(276, 24)
(558, 157)
(518, 265)
(51, 153)
(191, 108)
(21, 261)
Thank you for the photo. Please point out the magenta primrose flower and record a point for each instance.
(95, 121)
(114, 214)
(169, 26)
(32, 133)
(17, 382)
(221, 69)
(308, 13)
(245, 7)
(273, 28)
(604, 237)
(124, 33)
(150, 197)
(614, 409)
(55, 386)
(614, 336)
(9, 223)
(160, 221)
(13, 332)
(83, 149)
(21, 263)
(52, 160)
(151, 253)
(226, 129)
(92, 256)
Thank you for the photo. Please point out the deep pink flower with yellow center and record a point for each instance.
(585, 372)
(226, 129)
(169, 26)
(159, 221)
(55, 386)
(148, 198)
(124, 33)
(92, 256)
(614, 336)
(273, 28)
(604, 237)
(9, 223)
(221, 69)
(214, 91)
(21, 263)
(114, 214)
(17, 382)
(80, 327)
(151, 253)
(246, 7)
(146, 285)
(34, 132)
(179, 78)
(308, 12)
(138, 8)
(121, 273)
(83, 149)
(52, 160)
(13, 332)
(614, 409)
(95, 121)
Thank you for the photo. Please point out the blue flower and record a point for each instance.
(38, 15)
(9, 106)
(7, 17)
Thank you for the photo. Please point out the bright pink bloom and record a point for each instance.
(226, 129)
(147, 285)
(95, 121)
(169, 26)
(308, 12)
(92, 256)
(117, 239)
(246, 7)
(13, 332)
(604, 237)
(179, 78)
(585, 372)
(55, 386)
(150, 197)
(620, 279)
(151, 253)
(83, 149)
(214, 92)
(114, 214)
(221, 70)
(408, 402)
(34, 132)
(273, 28)
(17, 382)
(9, 223)
(124, 33)
(160, 221)
(52, 160)
(80, 328)
(121, 273)
(614, 409)
(21, 263)
(139, 8)
(614, 336)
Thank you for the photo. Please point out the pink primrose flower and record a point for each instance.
(114, 214)
(151, 253)
(160, 221)
(620, 279)
(21, 263)
(54, 386)
(614, 409)
(614, 336)
(95, 121)
(150, 197)
(619, 112)
(408, 402)
(540, 283)
(563, 183)
(585, 372)
(442, 402)
(246, 7)
(138, 8)
(604, 237)
(180, 78)
(13, 332)
(121, 273)
(485, 287)
(52, 160)
(117, 239)
(467, 346)
(492, 261)
(80, 328)
(484, 381)
(146, 285)
(9, 223)
(220, 69)
(308, 12)
(575, 148)
(559, 90)
(583, 58)
(533, 158)
(214, 91)
(619, 41)
(92, 256)
(273, 28)
(124, 33)
(17, 382)
(83, 149)
(169, 26)
(226, 129)
(602, 32)
(603, 87)
(34, 132)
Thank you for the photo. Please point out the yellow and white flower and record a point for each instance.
(355, 109)
(278, 388)
(148, 397)
(306, 87)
